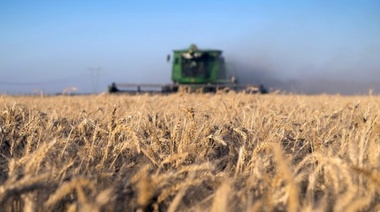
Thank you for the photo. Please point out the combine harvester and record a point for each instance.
(193, 70)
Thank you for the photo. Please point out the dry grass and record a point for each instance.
(190, 152)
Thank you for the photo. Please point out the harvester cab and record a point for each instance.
(198, 66)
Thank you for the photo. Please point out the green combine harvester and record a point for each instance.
(193, 70)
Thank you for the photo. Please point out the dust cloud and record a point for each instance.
(330, 71)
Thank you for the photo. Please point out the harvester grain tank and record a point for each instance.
(193, 69)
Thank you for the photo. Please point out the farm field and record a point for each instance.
(190, 152)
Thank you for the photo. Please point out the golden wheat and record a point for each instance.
(190, 152)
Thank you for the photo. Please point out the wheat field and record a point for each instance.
(190, 152)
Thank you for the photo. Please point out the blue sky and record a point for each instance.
(51, 45)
